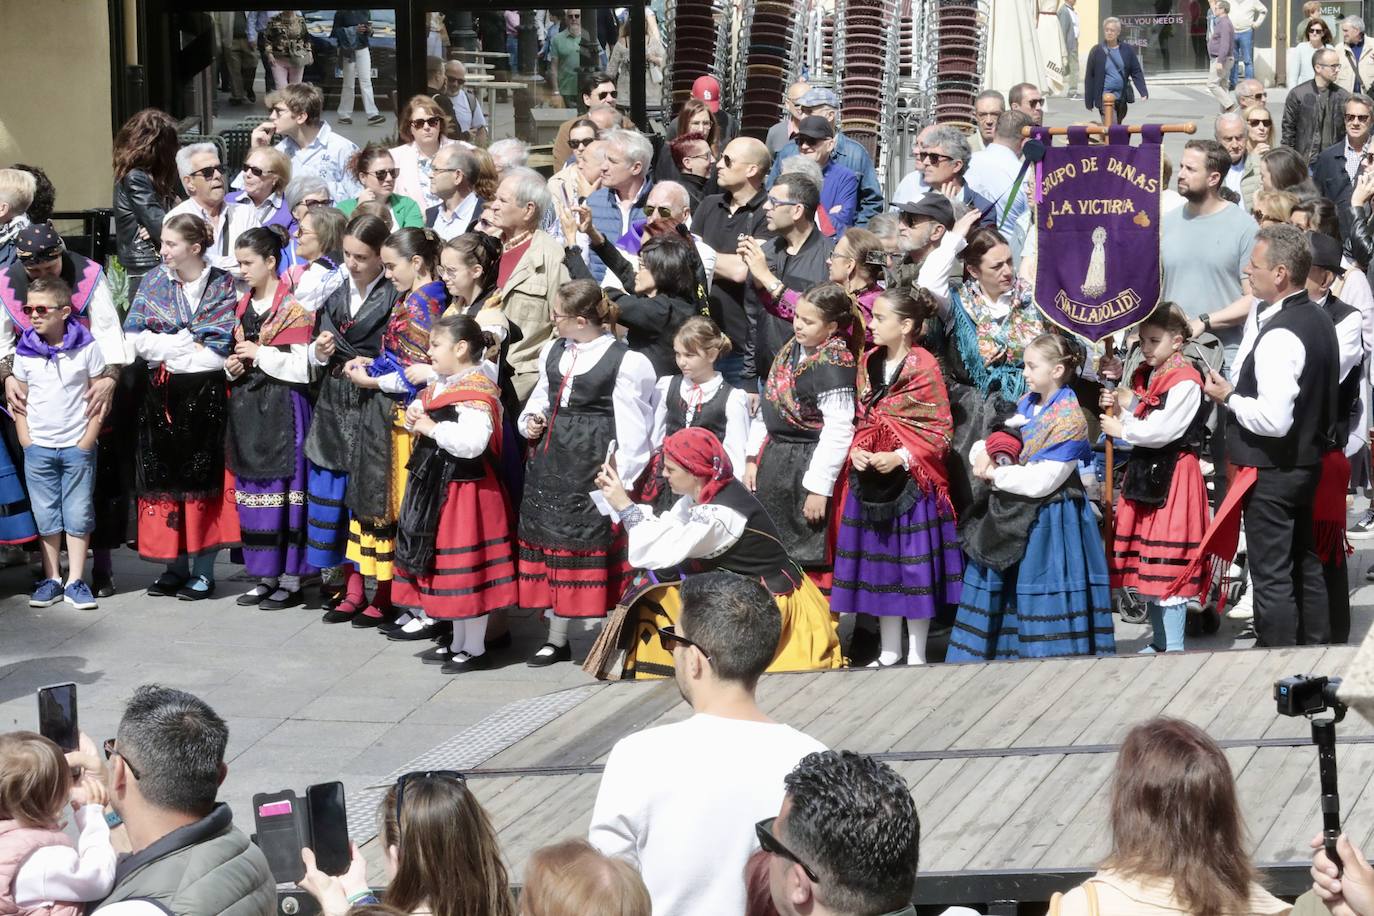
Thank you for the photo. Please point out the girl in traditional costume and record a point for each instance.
(455, 559)
(897, 553)
(182, 324)
(801, 436)
(716, 523)
(593, 392)
(376, 485)
(269, 416)
(351, 323)
(1036, 582)
(699, 397)
(1163, 511)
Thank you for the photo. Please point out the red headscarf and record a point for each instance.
(698, 452)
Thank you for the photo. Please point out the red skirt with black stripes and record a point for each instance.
(474, 557)
(1153, 545)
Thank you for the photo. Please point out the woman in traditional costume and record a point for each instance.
(182, 325)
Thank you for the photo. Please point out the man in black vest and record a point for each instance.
(1285, 421)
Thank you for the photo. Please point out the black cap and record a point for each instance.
(1326, 251)
(38, 242)
(815, 127)
(934, 206)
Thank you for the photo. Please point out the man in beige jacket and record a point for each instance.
(1357, 61)
(531, 283)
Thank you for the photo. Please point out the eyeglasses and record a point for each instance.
(417, 123)
(111, 750)
(1034, 103)
(581, 144)
(663, 212)
(277, 110)
(39, 310)
(417, 776)
(442, 171)
(607, 94)
(1357, 118)
(555, 317)
(1315, 30)
(257, 172)
(810, 142)
(301, 232)
(1335, 66)
(726, 161)
(708, 156)
(384, 174)
(773, 846)
(779, 202)
(668, 637)
(1260, 122)
(210, 171)
(932, 157)
(836, 256)
(311, 204)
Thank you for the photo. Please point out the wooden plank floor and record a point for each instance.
(1009, 763)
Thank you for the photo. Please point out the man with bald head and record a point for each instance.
(1231, 131)
(782, 133)
(470, 123)
(1250, 93)
(721, 220)
(1314, 112)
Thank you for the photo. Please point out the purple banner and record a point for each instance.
(1098, 234)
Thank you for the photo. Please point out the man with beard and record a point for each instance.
(924, 224)
(688, 829)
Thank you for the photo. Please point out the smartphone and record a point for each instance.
(57, 715)
(329, 827)
(610, 453)
(279, 834)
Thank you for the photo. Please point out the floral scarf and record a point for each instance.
(912, 413)
(284, 324)
(161, 307)
(1151, 386)
(1057, 433)
(475, 389)
(787, 370)
(405, 341)
(993, 349)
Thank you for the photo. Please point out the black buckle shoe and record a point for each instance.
(542, 659)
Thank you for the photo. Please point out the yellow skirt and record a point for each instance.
(372, 547)
(810, 639)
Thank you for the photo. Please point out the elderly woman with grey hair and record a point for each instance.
(530, 270)
(304, 193)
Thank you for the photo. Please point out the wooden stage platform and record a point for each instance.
(1009, 763)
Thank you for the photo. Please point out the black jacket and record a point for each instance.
(138, 204)
(1095, 74)
(1331, 178)
(432, 214)
(1301, 113)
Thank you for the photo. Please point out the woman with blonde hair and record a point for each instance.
(1178, 838)
(266, 173)
(1272, 207)
(572, 878)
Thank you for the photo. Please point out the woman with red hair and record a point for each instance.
(717, 524)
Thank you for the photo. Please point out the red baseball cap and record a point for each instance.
(707, 89)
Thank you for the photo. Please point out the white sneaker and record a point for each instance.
(1244, 608)
(1364, 528)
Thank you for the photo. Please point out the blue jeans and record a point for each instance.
(513, 52)
(61, 482)
(1245, 57)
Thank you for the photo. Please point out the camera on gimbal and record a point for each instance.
(1303, 695)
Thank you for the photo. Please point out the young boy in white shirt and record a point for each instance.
(54, 361)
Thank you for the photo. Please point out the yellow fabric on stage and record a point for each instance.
(373, 547)
(810, 638)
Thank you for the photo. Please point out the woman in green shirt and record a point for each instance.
(376, 170)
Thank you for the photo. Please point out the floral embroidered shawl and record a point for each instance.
(912, 412)
(161, 307)
(781, 388)
(1057, 433)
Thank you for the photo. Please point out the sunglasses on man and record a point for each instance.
(210, 171)
(774, 846)
(669, 638)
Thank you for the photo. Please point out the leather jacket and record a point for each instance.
(138, 204)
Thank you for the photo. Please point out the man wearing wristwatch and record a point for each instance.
(1284, 420)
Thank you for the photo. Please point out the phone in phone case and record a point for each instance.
(280, 833)
(57, 715)
(329, 827)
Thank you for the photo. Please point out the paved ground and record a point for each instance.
(308, 702)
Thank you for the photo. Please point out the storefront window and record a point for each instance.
(1169, 35)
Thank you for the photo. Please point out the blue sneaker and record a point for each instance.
(48, 593)
(79, 596)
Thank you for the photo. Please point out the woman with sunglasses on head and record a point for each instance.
(269, 416)
(423, 132)
(375, 168)
(717, 523)
(1316, 34)
(266, 173)
(318, 240)
(182, 325)
(441, 855)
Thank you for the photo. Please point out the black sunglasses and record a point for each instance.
(665, 212)
(417, 776)
(111, 750)
(933, 158)
(384, 174)
(257, 172)
(668, 637)
(772, 845)
(210, 171)
(608, 94)
(417, 123)
(578, 144)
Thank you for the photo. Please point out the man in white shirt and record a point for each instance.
(467, 111)
(846, 840)
(455, 170)
(310, 143)
(992, 173)
(203, 176)
(680, 802)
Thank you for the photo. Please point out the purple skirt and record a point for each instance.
(908, 565)
(273, 515)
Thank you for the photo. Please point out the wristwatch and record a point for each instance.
(1206, 320)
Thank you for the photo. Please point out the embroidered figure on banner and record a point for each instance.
(1095, 281)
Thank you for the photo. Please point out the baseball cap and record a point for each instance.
(707, 89)
(1326, 251)
(38, 242)
(815, 127)
(815, 98)
(934, 206)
